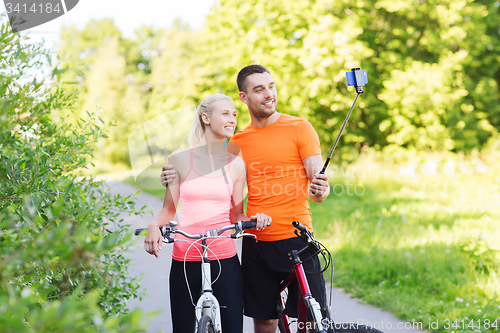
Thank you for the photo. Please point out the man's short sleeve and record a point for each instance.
(307, 140)
(233, 148)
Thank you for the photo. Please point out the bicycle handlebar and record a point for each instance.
(171, 228)
(306, 235)
(313, 246)
(138, 231)
(300, 226)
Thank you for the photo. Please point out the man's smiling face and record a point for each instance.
(260, 95)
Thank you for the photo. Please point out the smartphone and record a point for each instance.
(356, 77)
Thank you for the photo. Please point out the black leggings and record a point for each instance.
(228, 289)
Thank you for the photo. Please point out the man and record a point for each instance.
(283, 155)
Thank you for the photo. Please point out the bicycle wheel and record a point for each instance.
(353, 328)
(205, 325)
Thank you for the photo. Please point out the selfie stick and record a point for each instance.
(359, 90)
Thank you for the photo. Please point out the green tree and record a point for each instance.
(111, 75)
(438, 64)
(175, 69)
(309, 46)
(433, 68)
(133, 80)
(62, 267)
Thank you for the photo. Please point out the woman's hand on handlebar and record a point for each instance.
(153, 240)
(263, 220)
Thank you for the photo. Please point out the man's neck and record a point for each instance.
(259, 123)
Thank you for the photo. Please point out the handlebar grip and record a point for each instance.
(248, 225)
(300, 226)
(138, 231)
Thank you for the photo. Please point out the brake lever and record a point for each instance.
(304, 235)
(165, 232)
(238, 234)
(249, 235)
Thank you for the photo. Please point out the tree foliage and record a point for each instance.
(62, 267)
(105, 72)
(433, 67)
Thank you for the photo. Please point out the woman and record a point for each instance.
(209, 182)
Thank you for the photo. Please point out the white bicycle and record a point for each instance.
(207, 309)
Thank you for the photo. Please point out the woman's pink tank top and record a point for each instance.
(205, 205)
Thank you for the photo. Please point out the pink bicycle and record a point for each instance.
(307, 303)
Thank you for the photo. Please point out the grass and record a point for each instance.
(419, 238)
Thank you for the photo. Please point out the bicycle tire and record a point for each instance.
(205, 325)
(353, 328)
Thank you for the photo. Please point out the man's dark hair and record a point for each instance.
(249, 70)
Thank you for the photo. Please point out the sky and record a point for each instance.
(128, 15)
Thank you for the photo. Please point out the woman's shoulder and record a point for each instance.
(238, 166)
(180, 151)
(238, 161)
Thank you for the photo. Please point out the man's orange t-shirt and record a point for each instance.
(277, 181)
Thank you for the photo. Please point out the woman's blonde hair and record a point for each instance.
(197, 134)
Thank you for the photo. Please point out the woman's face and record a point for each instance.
(223, 119)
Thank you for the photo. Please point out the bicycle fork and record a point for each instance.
(308, 301)
(207, 303)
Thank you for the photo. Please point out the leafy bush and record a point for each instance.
(62, 267)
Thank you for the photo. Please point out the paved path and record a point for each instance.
(155, 274)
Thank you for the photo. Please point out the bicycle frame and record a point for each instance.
(306, 300)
